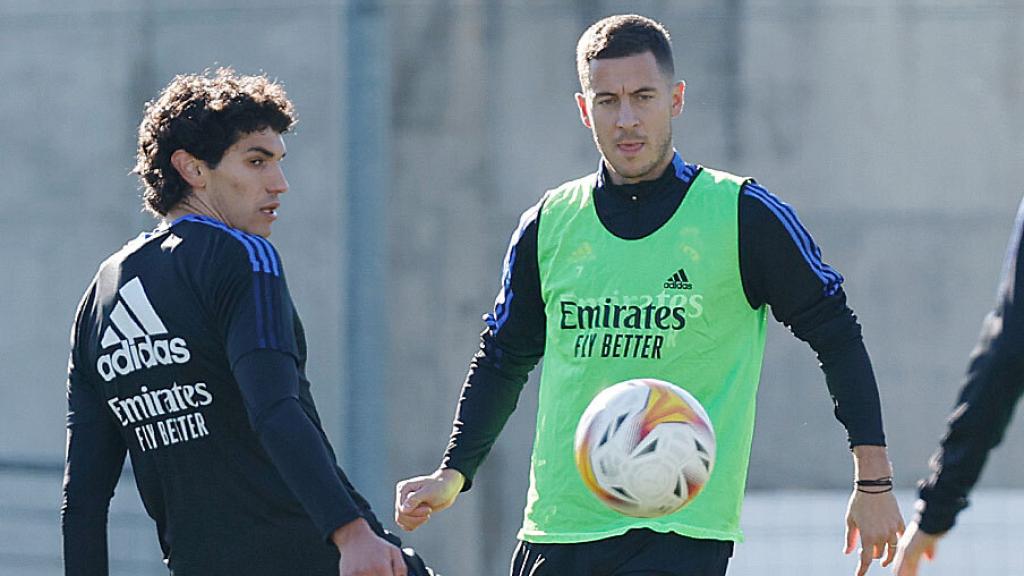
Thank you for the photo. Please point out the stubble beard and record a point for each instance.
(645, 172)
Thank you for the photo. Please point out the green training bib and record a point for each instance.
(669, 306)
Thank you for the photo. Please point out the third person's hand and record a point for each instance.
(913, 545)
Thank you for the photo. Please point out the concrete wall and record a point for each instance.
(893, 128)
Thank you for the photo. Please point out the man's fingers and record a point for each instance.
(403, 521)
(865, 561)
(910, 562)
(891, 556)
(398, 508)
(421, 511)
(908, 566)
(415, 498)
(408, 496)
(398, 563)
(402, 491)
(406, 523)
(851, 537)
(417, 516)
(413, 519)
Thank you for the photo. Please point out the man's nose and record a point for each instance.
(278, 183)
(627, 116)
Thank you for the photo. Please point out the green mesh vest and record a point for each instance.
(669, 306)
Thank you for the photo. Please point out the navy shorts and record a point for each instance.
(639, 552)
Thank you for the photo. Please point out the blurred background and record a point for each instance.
(426, 128)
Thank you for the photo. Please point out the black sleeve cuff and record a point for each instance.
(933, 518)
(461, 469)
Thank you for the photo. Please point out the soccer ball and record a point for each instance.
(645, 447)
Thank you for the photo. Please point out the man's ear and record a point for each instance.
(581, 103)
(190, 168)
(678, 97)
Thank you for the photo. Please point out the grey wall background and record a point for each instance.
(893, 128)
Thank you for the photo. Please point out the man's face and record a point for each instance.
(243, 189)
(629, 108)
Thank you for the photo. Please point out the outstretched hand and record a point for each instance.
(876, 519)
(913, 545)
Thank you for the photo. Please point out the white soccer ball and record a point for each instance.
(645, 447)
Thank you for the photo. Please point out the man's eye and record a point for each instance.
(257, 162)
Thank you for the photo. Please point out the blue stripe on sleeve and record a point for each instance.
(269, 294)
(220, 225)
(271, 254)
(263, 258)
(496, 319)
(261, 253)
(810, 251)
(504, 299)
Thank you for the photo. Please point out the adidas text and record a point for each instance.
(132, 356)
(678, 281)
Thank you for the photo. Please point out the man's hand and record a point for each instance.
(913, 545)
(363, 553)
(874, 517)
(417, 498)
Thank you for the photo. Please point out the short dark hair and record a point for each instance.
(203, 114)
(623, 35)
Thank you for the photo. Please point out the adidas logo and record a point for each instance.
(678, 281)
(135, 328)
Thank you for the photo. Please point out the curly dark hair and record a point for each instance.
(204, 114)
(620, 36)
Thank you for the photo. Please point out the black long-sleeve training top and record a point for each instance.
(993, 386)
(780, 266)
(188, 355)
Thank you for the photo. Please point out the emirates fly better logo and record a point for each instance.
(138, 333)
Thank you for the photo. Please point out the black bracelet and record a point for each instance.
(882, 491)
(878, 482)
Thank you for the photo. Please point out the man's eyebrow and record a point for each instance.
(637, 91)
(264, 151)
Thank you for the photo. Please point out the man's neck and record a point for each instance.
(190, 205)
(656, 173)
